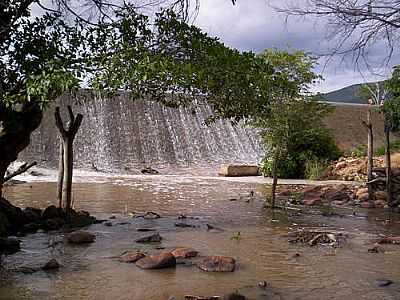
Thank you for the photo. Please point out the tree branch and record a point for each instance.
(59, 123)
(22, 169)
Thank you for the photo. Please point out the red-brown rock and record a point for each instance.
(161, 261)
(217, 264)
(183, 252)
(312, 201)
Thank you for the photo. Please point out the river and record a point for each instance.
(293, 271)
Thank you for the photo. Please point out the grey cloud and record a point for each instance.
(253, 25)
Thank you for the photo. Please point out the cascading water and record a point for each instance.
(122, 135)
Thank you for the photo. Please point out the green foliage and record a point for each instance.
(315, 168)
(394, 148)
(162, 57)
(306, 155)
(295, 127)
(391, 107)
(359, 151)
(292, 125)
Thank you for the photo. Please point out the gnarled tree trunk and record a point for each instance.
(16, 126)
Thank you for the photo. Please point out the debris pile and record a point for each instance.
(351, 169)
(317, 237)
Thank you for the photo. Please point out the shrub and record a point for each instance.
(315, 168)
(358, 151)
(306, 155)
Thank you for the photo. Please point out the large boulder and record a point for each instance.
(32, 215)
(12, 218)
(81, 237)
(53, 224)
(53, 212)
(161, 261)
(80, 219)
(217, 264)
(239, 170)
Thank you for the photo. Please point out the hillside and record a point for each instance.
(348, 94)
(345, 124)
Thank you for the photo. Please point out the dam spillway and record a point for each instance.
(120, 134)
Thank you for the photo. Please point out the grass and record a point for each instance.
(315, 168)
(394, 148)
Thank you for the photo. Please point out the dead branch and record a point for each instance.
(22, 169)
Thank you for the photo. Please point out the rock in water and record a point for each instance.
(9, 245)
(80, 237)
(131, 256)
(52, 212)
(184, 252)
(149, 170)
(161, 261)
(51, 265)
(154, 238)
(383, 282)
(217, 264)
(234, 296)
(32, 214)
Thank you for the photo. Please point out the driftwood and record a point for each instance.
(22, 169)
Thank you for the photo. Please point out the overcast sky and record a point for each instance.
(253, 25)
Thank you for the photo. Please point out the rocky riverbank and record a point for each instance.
(19, 222)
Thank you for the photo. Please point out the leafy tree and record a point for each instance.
(121, 50)
(291, 123)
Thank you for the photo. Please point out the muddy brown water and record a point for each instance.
(262, 252)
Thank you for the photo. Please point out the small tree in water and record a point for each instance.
(292, 125)
(375, 93)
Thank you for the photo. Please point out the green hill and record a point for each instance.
(348, 94)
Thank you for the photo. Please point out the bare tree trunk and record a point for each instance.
(388, 166)
(3, 170)
(68, 137)
(274, 177)
(370, 161)
(68, 172)
(60, 174)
